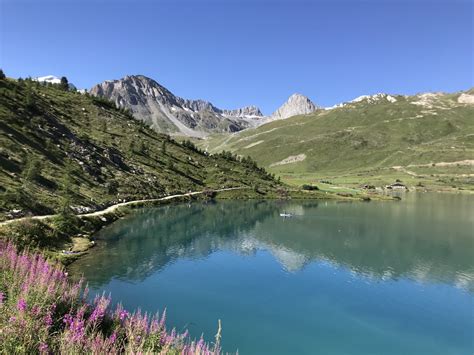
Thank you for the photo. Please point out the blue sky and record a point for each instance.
(235, 53)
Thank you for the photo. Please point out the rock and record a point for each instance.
(248, 111)
(162, 110)
(81, 209)
(297, 104)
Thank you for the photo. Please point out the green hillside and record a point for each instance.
(422, 140)
(59, 148)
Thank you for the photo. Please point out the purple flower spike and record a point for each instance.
(21, 305)
(113, 337)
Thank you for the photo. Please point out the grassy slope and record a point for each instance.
(96, 154)
(362, 142)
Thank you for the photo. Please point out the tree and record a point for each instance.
(29, 100)
(143, 147)
(112, 187)
(2, 75)
(131, 149)
(103, 125)
(67, 182)
(64, 83)
(32, 171)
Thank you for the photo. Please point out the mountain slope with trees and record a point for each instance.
(60, 149)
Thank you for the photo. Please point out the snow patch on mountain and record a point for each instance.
(466, 99)
(374, 98)
(370, 99)
(52, 79)
(48, 79)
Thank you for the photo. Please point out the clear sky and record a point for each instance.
(235, 53)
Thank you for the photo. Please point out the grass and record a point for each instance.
(362, 142)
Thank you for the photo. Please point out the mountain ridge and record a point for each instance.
(152, 103)
(157, 106)
(427, 139)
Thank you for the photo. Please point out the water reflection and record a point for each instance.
(427, 238)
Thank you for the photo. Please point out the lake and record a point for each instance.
(336, 278)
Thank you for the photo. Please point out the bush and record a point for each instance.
(112, 187)
(209, 194)
(310, 187)
(32, 233)
(32, 170)
(66, 223)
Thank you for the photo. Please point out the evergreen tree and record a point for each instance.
(2, 75)
(29, 100)
(66, 183)
(32, 171)
(64, 84)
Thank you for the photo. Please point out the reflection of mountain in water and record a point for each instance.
(419, 240)
(137, 246)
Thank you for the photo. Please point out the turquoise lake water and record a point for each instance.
(337, 278)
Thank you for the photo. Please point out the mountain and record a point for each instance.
(48, 79)
(163, 111)
(60, 147)
(297, 104)
(245, 112)
(425, 139)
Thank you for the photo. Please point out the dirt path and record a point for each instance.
(118, 205)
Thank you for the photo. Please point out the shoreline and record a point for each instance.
(114, 207)
(87, 224)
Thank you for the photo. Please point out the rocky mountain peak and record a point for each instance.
(166, 112)
(247, 111)
(296, 104)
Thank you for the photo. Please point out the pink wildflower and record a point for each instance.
(43, 348)
(113, 337)
(21, 305)
(48, 320)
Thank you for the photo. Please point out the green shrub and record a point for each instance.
(32, 233)
(66, 223)
(310, 187)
